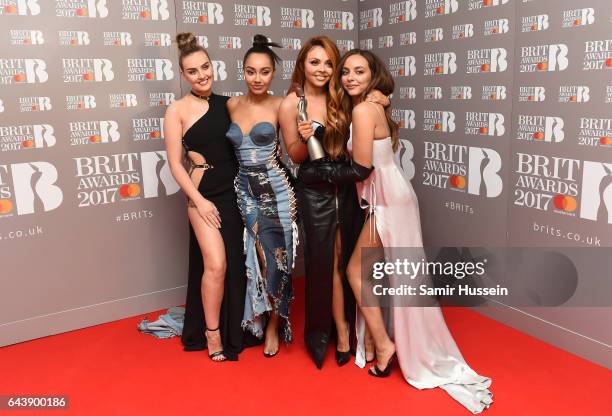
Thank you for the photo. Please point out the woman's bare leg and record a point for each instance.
(338, 299)
(213, 254)
(372, 314)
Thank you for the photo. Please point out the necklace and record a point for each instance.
(201, 97)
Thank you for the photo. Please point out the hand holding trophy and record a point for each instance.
(315, 149)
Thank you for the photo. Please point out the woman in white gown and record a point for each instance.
(427, 354)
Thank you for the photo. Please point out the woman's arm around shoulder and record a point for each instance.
(287, 118)
(364, 118)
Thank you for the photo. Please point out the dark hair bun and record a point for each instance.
(260, 41)
(186, 41)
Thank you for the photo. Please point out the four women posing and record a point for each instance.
(248, 185)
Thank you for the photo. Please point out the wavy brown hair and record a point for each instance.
(187, 44)
(332, 145)
(381, 81)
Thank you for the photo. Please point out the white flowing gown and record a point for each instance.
(426, 351)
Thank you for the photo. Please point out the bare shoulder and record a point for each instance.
(276, 100)
(364, 109)
(176, 107)
(232, 102)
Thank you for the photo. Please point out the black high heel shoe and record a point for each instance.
(343, 357)
(218, 353)
(377, 372)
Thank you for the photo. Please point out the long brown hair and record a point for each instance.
(381, 81)
(188, 44)
(332, 145)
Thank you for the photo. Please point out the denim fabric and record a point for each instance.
(167, 325)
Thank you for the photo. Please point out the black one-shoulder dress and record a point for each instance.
(207, 137)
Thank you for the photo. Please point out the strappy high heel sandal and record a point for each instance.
(377, 372)
(213, 355)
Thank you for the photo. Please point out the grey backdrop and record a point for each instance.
(93, 228)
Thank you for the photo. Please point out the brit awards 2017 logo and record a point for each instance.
(407, 93)
(540, 128)
(371, 18)
(87, 70)
(291, 43)
(149, 69)
(24, 37)
(145, 10)
(435, 8)
(461, 92)
(385, 41)
(440, 121)
(486, 60)
(440, 63)
(609, 94)
(338, 20)
(292, 17)
(29, 188)
(202, 12)
(123, 177)
(597, 55)
(29, 104)
(122, 100)
(160, 99)
(479, 4)
(493, 92)
(230, 42)
(570, 187)
(345, 45)
(404, 118)
(435, 34)
(459, 168)
(157, 39)
(535, 23)
(595, 132)
(463, 31)
(202, 40)
(578, 17)
(407, 39)
(288, 65)
(28, 136)
(73, 38)
(117, 38)
(574, 94)
(496, 27)
(367, 44)
(543, 58)
(147, 128)
(402, 66)
(19, 8)
(23, 71)
(80, 102)
(484, 124)
(403, 11)
(81, 8)
(251, 15)
(532, 94)
(93, 132)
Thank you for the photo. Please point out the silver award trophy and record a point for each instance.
(315, 149)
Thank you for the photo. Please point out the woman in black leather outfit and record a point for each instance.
(330, 214)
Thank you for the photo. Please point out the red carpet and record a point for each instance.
(112, 369)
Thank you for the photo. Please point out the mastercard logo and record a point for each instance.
(565, 203)
(6, 206)
(252, 21)
(203, 19)
(486, 2)
(438, 126)
(609, 62)
(82, 11)
(27, 144)
(10, 9)
(538, 135)
(145, 15)
(439, 70)
(542, 66)
(88, 76)
(440, 10)
(129, 190)
(19, 77)
(485, 67)
(457, 181)
(297, 23)
(483, 130)
(155, 134)
(95, 139)
(606, 141)
(577, 22)
(149, 75)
